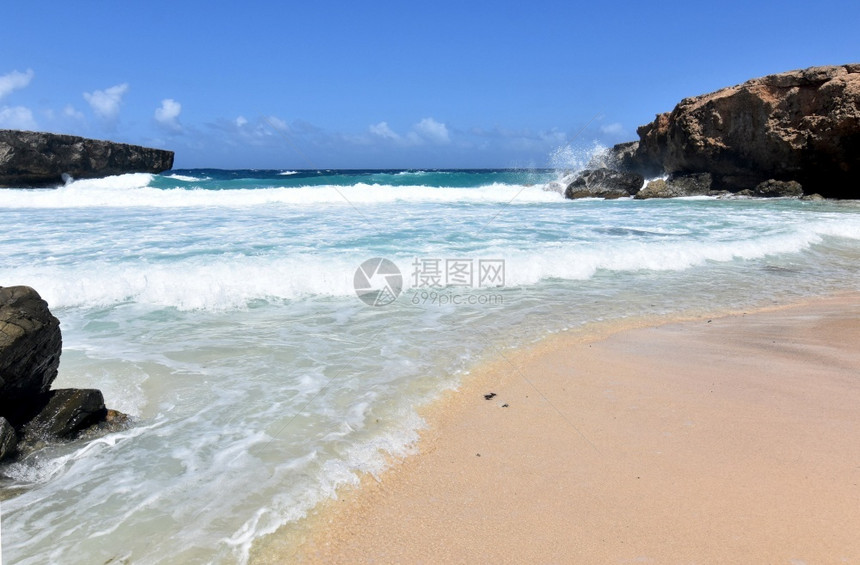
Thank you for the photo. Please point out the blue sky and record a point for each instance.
(390, 84)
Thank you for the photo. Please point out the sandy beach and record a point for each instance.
(733, 439)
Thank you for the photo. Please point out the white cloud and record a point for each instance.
(382, 130)
(256, 131)
(105, 103)
(15, 81)
(276, 123)
(612, 129)
(17, 117)
(431, 130)
(167, 115)
(71, 112)
(427, 130)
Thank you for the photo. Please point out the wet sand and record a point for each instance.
(735, 439)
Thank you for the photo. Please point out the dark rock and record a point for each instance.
(654, 189)
(778, 188)
(65, 412)
(623, 155)
(801, 125)
(677, 186)
(34, 159)
(696, 184)
(604, 183)
(32, 415)
(114, 421)
(8, 439)
(627, 157)
(653, 140)
(812, 197)
(30, 347)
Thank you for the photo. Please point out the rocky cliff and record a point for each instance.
(33, 159)
(799, 126)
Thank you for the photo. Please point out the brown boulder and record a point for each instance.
(801, 125)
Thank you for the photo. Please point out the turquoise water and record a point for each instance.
(219, 309)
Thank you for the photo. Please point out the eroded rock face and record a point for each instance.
(604, 183)
(628, 158)
(30, 345)
(35, 159)
(799, 126)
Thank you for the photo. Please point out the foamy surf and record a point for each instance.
(201, 282)
(134, 191)
(221, 312)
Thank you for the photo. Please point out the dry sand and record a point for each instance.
(731, 440)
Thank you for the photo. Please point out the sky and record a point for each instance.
(378, 84)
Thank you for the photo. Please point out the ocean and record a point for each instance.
(272, 333)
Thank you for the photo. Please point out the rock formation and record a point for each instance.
(65, 412)
(778, 188)
(33, 159)
(626, 157)
(30, 347)
(604, 183)
(801, 126)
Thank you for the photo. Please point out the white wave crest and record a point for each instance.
(219, 283)
(133, 191)
(186, 178)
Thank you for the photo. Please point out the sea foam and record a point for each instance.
(215, 283)
(221, 314)
(134, 191)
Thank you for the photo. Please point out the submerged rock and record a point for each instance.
(36, 159)
(604, 183)
(114, 421)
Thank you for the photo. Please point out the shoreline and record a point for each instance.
(605, 444)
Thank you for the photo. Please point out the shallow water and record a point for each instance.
(218, 308)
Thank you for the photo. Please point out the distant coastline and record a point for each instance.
(38, 159)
